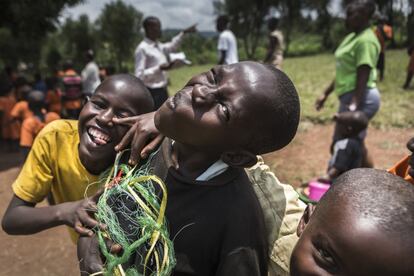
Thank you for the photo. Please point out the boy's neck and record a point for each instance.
(190, 162)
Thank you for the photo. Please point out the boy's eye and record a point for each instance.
(225, 111)
(327, 260)
(98, 104)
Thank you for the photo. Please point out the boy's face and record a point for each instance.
(216, 110)
(339, 242)
(98, 135)
(153, 30)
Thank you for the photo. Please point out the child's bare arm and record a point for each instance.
(24, 218)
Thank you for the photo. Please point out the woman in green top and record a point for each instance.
(356, 59)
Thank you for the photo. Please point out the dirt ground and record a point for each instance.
(52, 253)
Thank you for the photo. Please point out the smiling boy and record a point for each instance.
(67, 157)
(362, 226)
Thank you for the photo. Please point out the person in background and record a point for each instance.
(410, 68)
(276, 44)
(32, 125)
(356, 75)
(9, 127)
(39, 84)
(383, 31)
(90, 75)
(72, 91)
(152, 61)
(347, 152)
(227, 42)
(54, 95)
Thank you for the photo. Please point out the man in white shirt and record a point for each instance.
(227, 43)
(151, 59)
(90, 75)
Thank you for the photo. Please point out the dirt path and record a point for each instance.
(52, 253)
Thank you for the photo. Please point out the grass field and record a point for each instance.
(312, 74)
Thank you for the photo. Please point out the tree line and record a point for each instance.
(30, 31)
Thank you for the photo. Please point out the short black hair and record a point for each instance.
(148, 20)
(379, 196)
(36, 100)
(355, 119)
(146, 98)
(273, 22)
(284, 108)
(223, 19)
(367, 5)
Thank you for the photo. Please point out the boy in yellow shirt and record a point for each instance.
(67, 157)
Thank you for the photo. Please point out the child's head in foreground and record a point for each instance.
(117, 96)
(350, 123)
(362, 226)
(233, 111)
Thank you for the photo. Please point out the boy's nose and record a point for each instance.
(202, 95)
(105, 117)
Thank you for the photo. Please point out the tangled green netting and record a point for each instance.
(146, 221)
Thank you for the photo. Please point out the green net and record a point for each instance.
(133, 208)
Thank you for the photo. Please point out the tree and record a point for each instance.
(119, 26)
(78, 37)
(323, 21)
(29, 22)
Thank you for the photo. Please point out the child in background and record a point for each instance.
(32, 125)
(9, 127)
(53, 96)
(362, 226)
(67, 156)
(347, 150)
(403, 168)
(72, 92)
(21, 110)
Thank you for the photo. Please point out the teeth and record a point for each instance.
(99, 137)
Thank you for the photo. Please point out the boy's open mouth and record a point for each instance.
(98, 137)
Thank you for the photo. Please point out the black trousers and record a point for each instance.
(159, 95)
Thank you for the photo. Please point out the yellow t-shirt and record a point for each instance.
(53, 165)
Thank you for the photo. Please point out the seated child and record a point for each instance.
(403, 168)
(21, 110)
(347, 150)
(219, 122)
(67, 156)
(9, 128)
(362, 226)
(32, 125)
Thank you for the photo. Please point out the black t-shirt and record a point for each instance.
(217, 226)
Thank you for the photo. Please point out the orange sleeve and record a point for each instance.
(401, 169)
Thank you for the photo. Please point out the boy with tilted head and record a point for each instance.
(362, 226)
(215, 126)
(220, 121)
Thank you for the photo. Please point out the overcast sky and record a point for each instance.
(174, 14)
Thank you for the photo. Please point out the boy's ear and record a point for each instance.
(305, 219)
(241, 159)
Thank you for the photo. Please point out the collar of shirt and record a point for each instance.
(214, 170)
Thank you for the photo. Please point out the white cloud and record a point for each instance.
(172, 13)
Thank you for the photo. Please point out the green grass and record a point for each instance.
(312, 74)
